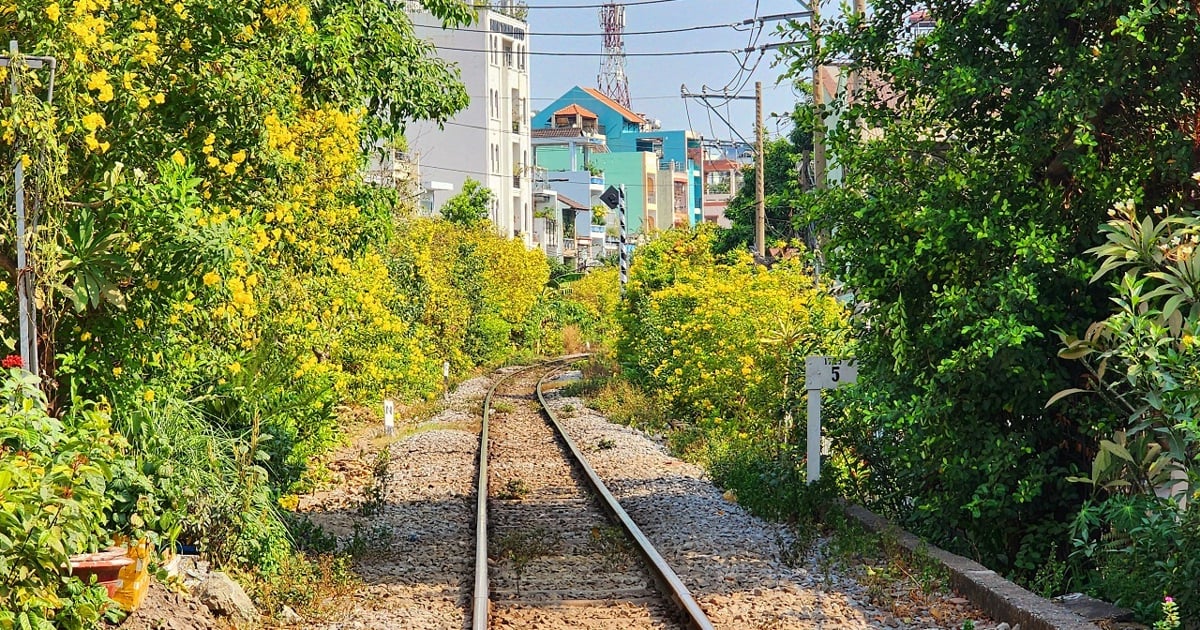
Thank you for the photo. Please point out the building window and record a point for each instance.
(521, 58)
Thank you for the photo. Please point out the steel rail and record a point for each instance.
(666, 577)
(480, 604)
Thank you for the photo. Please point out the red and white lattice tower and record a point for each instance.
(612, 81)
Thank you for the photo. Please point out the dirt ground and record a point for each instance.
(165, 609)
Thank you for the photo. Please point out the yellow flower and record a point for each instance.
(117, 371)
(85, 336)
(186, 44)
(178, 158)
(140, 323)
(93, 121)
(230, 168)
(53, 11)
(148, 395)
(211, 278)
(160, 98)
(98, 79)
(235, 368)
(143, 102)
(152, 284)
(212, 162)
(239, 157)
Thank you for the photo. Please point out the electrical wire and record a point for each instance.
(684, 29)
(456, 170)
(640, 98)
(539, 7)
(549, 53)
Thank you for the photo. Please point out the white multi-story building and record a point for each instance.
(489, 140)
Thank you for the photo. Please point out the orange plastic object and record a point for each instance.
(133, 582)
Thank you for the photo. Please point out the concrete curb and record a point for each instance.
(999, 598)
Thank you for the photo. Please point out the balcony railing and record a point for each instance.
(516, 181)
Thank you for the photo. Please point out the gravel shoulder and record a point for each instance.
(418, 562)
(732, 561)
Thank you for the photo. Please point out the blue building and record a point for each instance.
(669, 182)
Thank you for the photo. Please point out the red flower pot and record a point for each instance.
(105, 565)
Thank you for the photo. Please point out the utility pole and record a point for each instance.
(760, 202)
(818, 98)
(760, 215)
(26, 307)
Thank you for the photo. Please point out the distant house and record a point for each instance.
(722, 181)
(662, 183)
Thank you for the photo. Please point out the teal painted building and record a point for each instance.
(672, 198)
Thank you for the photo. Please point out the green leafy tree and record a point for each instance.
(982, 156)
(784, 182)
(470, 206)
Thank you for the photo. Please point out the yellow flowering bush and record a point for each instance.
(209, 259)
(721, 343)
(724, 343)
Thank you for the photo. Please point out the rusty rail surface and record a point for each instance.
(669, 583)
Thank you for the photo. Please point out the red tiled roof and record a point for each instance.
(557, 132)
(722, 165)
(621, 109)
(574, 110)
(572, 203)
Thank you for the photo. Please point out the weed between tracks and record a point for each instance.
(611, 543)
(374, 493)
(514, 489)
(521, 547)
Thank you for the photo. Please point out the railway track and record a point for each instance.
(553, 546)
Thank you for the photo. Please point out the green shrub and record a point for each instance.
(1138, 549)
(54, 477)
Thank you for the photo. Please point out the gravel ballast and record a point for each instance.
(418, 572)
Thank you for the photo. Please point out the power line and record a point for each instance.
(671, 53)
(571, 6)
(683, 29)
(456, 170)
(640, 98)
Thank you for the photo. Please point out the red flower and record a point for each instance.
(12, 361)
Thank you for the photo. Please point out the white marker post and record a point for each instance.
(822, 373)
(445, 380)
(389, 417)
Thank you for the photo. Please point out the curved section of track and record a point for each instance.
(556, 560)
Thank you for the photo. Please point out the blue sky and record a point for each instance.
(654, 81)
